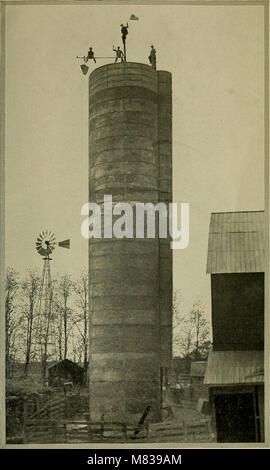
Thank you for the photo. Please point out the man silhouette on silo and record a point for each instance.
(124, 32)
(119, 54)
(152, 57)
(91, 55)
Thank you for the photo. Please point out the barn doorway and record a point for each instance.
(235, 418)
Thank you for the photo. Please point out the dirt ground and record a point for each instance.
(185, 424)
(188, 413)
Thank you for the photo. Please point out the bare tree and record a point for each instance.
(176, 309)
(59, 329)
(200, 327)
(58, 320)
(30, 289)
(64, 291)
(77, 348)
(179, 320)
(80, 319)
(11, 317)
(46, 335)
(191, 331)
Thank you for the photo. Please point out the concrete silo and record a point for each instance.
(130, 158)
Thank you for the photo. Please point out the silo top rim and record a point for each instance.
(130, 65)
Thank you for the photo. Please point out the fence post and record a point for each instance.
(147, 429)
(102, 426)
(89, 428)
(24, 421)
(185, 429)
(124, 428)
(65, 433)
(53, 431)
(208, 426)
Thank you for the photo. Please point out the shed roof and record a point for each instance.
(66, 363)
(236, 242)
(234, 367)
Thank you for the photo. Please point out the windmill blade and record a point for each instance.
(45, 242)
(64, 244)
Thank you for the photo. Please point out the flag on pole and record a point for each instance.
(133, 17)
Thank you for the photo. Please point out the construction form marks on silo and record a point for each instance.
(130, 302)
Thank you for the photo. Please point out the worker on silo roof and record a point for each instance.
(119, 54)
(152, 57)
(91, 55)
(124, 31)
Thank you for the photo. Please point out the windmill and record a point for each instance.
(45, 244)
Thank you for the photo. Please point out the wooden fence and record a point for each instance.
(67, 431)
(51, 431)
(55, 423)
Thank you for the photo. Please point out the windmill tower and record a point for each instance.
(45, 244)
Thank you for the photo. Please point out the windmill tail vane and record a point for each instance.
(64, 244)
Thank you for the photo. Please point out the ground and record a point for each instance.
(182, 422)
(188, 413)
(185, 424)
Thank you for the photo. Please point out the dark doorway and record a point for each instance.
(235, 420)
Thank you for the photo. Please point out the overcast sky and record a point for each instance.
(216, 57)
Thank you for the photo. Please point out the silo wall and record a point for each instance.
(130, 279)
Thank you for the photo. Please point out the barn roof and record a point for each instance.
(236, 242)
(234, 367)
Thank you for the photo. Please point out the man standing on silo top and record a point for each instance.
(152, 57)
(119, 54)
(124, 31)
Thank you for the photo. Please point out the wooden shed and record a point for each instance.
(65, 371)
(235, 367)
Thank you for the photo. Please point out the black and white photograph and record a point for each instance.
(134, 224)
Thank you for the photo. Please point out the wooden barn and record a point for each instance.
(235, 367)
(65, 371)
